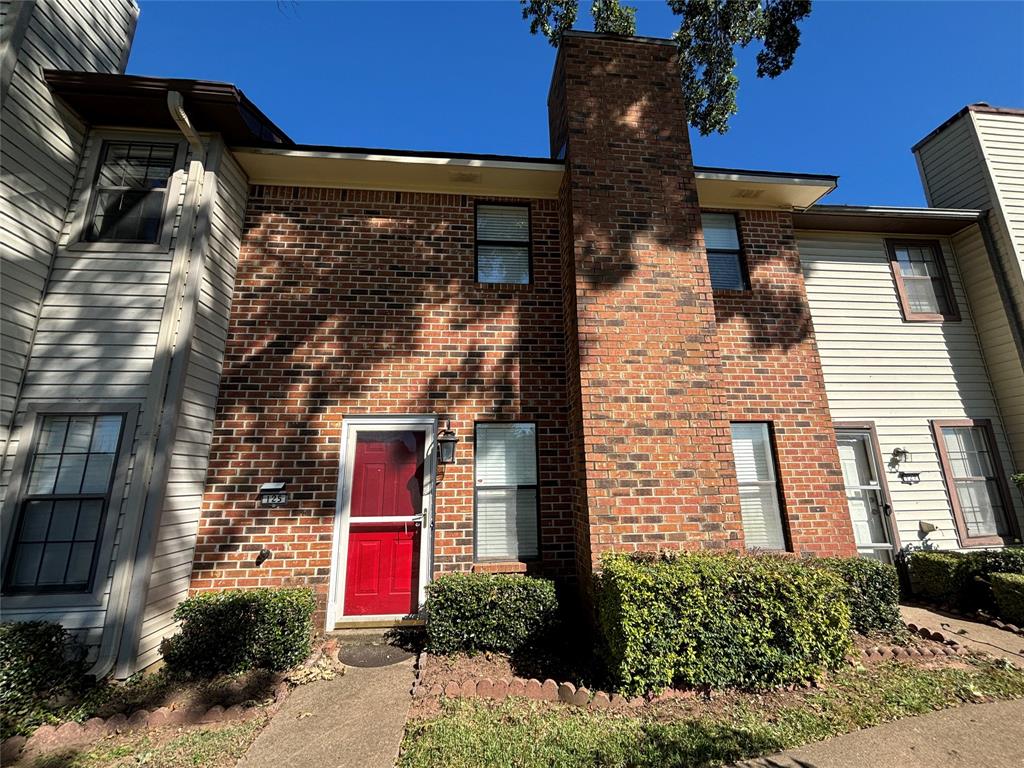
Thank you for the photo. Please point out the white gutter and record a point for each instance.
(467, 162)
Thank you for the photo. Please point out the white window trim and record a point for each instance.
(772, 482)
(535, 486)
(33, 417)
(86, 192)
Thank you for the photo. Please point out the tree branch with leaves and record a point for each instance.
(708, 34)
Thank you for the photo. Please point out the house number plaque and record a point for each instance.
(275, 499)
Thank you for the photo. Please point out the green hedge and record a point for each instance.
(474, 612)
(39, 663)
(961, 579)
(1008, 593)
(238, 630)
(872, 592)
(719, 620)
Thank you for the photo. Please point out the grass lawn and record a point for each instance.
(524, 734)
(165, 748)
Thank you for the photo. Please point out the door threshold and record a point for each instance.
(376, 622)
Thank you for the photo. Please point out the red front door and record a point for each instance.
(382, 575)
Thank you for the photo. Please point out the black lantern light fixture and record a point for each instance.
(446, 441)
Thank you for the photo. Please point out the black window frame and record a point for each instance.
(506, 243)
(536, 489)
(95, 190)
(741, 253)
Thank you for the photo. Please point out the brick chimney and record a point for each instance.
(652, 450)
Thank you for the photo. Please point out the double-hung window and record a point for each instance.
(760, 510)
(725, 257)
(67, 485)
(503, 244)
(506, 491)
(922, 282)
(129, 194)
(975, 480)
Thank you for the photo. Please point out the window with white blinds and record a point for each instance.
(503, 244)
(725, 261)
(759, 493)
(506, 492)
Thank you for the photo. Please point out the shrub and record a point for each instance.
(475, 612)
(1008, 592)
(719, 620)
(238, 630)
(962, 579)
(39, 663)
(872, 592)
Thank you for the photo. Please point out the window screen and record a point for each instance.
(506, 492)
(924, 285)
(130, 191)
(725, 262)
(974, 480)
(503, 244)
(61, 515)
(759, 494)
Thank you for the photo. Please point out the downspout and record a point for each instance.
(203, 165)
(126, 616)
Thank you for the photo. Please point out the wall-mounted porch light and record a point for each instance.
(446, 441)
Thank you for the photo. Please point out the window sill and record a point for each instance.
(504, 566)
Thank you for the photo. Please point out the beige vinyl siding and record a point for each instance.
(898, 375)
(176, 536)
(96, 341)
(1001, 137)
(39, 161)
(990, 319)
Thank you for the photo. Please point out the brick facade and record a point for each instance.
(355, 302)
(650, 430)
(772, 373)
(350, 302)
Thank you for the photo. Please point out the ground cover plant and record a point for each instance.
(526, 734)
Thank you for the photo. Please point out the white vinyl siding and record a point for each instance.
(759, 492)
(503, 244)
(722, 242)
(978, 162)
(176, 537)
(40, 155)
(506, 492)
(878, 368)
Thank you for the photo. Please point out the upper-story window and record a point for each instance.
(130, 192)
(503, 244)
(725, 257)
(922, 282)
(69, 478)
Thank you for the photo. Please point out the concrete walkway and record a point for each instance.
(971, 634)
(353, 721)
(973, 736)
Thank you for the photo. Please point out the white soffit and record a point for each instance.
(725, 188)
(716, 188)
(401, 173)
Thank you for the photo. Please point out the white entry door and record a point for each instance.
(869, 508)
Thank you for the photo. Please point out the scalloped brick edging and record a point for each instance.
(46, 738)
(979, 616)
(567, 693)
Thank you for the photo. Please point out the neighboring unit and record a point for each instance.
(233, 361)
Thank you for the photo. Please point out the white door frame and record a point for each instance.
(351, 426)
(879, 486)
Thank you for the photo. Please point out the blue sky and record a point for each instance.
(870, 79)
